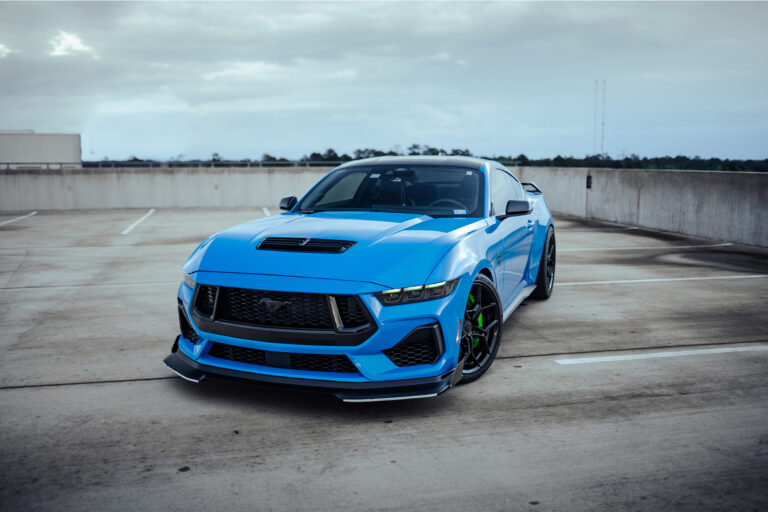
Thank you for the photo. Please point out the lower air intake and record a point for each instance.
(305, 362)
(422, 346)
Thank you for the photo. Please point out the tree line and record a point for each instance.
(330, 156)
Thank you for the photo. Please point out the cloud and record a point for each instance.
(296, 77)
(441, 57)
(69, 44)
(246, 71)
(4, 51)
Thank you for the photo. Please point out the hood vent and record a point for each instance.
(305, 245)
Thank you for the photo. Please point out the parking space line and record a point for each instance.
(266, 212)
(656, 355)
(648, 247)
(142, 219)
(17, 218)
(659, 280)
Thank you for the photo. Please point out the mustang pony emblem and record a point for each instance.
(273, 305)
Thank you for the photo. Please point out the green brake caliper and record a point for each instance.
(479, 320)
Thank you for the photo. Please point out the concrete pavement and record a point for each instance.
(91, 420)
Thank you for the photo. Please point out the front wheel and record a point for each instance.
(480, 329)
(545, 280)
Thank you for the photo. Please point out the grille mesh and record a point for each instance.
(418, 348)
(186, 330)
(352, 311)
(280, 309)
(306, 362)
(206, 298)
(255, 307)
(239, 354)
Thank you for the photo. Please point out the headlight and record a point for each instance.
(417, 293)
(189, 281)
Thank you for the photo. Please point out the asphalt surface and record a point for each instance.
(568, 418)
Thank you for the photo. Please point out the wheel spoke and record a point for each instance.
(480, 334)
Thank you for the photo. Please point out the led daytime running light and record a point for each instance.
(417, 293)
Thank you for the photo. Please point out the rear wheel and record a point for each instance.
(545, 280)
(480, 330)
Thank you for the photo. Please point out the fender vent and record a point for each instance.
(305, 245)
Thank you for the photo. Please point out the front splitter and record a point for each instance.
(370, 391)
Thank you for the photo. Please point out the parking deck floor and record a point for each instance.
(642, 384)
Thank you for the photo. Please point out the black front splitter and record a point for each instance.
(191, 370)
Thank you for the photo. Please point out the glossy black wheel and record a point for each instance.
(545, 280)
(481, 329)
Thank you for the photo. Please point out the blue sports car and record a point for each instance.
(391, 278)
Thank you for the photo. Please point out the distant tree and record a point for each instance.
(266, 157)
(330, 156)
(414, 149)
(460, 152)
(522, 160)
(215, 157)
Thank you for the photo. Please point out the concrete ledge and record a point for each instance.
(718, 205)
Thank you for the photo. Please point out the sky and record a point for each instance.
(169, 80)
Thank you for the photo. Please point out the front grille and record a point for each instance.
(206, 299)
(305, 245)
(186, 330)
(419, 347)
(351, 310)
(306, 362)
(279, 309)
(274, 309)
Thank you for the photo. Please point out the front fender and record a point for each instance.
(473, 253)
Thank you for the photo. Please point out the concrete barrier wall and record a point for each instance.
(78, 189)
(719, 205)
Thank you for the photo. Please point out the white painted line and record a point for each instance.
(17, 218)
(660, 280)
(647, 247)
(266, 212)
(655, 355)
(142, 219)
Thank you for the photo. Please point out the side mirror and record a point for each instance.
(516, 207)
(287, 203)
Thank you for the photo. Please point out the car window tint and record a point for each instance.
(343, 189)
(434, 190)
(517, 189)
(502, 190)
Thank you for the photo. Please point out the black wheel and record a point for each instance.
(545, 280)
(481, 329)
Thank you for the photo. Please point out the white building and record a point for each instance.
(25, 149)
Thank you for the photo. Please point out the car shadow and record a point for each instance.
(299, 403)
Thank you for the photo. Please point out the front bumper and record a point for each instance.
(376, 376)
(191, 370)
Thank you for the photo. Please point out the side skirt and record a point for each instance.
(524, 293)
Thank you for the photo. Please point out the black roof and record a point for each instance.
(464, 161)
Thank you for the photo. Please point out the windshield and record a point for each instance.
(438, 191)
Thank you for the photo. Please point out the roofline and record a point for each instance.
(464, 161)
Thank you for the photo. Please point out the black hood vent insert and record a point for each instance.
(305, 245)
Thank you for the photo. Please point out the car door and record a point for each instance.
(516, 233)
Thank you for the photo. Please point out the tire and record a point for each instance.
(480, 330)
(545, 280)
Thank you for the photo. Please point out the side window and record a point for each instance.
(502, 190)
(517, 189)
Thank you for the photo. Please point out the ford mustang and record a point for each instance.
(390, 279)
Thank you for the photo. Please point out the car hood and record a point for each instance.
(391, 249)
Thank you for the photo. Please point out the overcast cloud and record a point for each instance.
(158, 80)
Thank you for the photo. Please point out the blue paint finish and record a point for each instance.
(392, 250)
